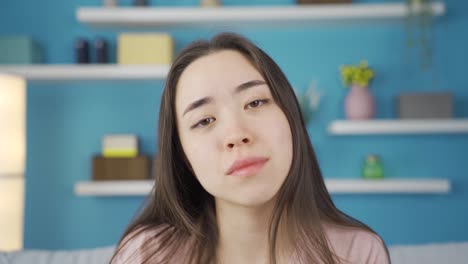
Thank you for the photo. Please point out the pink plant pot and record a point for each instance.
(359, 103)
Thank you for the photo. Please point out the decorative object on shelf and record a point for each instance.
(435, 105)
(307, 2)
(19, 50)
(110, 3)
(210, 3)
(120, 146)
(120, 160)
(134, 168)
(101, 48)
(81, 50)
(140, 2)
(359, 103)
(145, 48)
(372, 168)
(309, 101)
(418, 29)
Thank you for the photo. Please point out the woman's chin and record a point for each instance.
(253, 200)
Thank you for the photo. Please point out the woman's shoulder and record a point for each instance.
(357, 245)
(139, 244)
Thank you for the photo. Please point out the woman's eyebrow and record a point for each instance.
(248, 85)
(206, 100)
(198, 103)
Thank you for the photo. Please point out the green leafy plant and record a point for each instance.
(360, 74)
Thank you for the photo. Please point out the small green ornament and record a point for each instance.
(372, 168)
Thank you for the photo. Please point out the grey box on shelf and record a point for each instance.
(436, 105)
(19, 50)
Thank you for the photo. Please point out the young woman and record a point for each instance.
(237, 180)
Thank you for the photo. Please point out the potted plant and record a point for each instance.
(359, 103)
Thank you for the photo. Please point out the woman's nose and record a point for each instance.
(237, 134)
(237, 142)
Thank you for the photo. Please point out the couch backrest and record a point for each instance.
(85, 256)
(446, 253)
(442, 253)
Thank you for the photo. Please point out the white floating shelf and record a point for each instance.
(63, 72)
(402, 126)
(334, 186)
(235, 15)
(114, 188)
(10, 176)
(388, 186)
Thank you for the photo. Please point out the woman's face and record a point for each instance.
(236, 138)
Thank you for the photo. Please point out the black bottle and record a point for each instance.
(101, 48)
(81, 50)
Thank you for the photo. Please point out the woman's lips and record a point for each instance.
(247, 167)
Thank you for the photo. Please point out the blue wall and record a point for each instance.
(67, 120)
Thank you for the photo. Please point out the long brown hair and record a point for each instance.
(183, 212)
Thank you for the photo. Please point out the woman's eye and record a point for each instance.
(204, 122)
(257, 103)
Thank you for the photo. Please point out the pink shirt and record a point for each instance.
(352, 247)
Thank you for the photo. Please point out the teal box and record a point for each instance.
(19, 50)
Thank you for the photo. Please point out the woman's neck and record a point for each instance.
(243, 234)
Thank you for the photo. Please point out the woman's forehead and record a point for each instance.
(218, 72)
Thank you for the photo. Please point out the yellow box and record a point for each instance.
(145, 48)
(120, 153)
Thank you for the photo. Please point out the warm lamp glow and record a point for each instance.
(12, 124)
(12, 159)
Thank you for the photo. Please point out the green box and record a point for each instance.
(19, 50)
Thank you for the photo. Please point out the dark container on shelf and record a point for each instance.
(420, 105)
(140, 2)
(135, 168)
(81, 50)
(101, 48)
(110, 3)
(308, 2)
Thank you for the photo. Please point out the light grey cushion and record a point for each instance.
(85, 256)
(3, 258)
(442, 253)
(446, 253)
